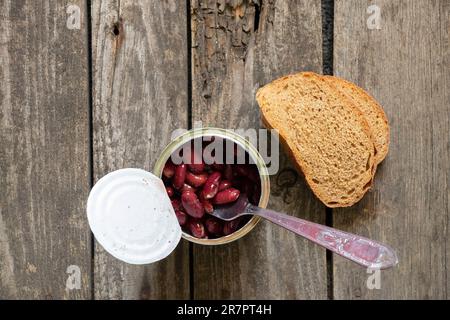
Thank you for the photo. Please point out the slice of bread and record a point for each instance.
(325, 133)
(375, 116)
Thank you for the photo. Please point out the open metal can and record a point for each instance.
(245, 145)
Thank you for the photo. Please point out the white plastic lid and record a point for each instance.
(132, 217)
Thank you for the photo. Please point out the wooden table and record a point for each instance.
(77, 103)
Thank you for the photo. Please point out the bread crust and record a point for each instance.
(297, 159)
(363, 97)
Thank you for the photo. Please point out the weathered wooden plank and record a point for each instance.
(238, 46)
(405, 65)
(44, 161)
(140, 96)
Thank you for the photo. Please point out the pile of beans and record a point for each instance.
(196, 188)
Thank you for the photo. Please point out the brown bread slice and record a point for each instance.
(324, 132)
(373, 112)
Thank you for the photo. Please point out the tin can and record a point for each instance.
(243, 143)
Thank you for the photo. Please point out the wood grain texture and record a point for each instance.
(405, 65)
(44, 162)
(238, 46)
(140, 96)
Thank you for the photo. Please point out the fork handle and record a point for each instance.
(366, 252)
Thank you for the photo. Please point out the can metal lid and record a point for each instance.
(132, 217)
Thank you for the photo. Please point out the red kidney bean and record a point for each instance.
(187, 187)
(214, 226)
(196, 180)
(179, 177)
(226, 196)
(231, 226)
(228, 172)
(196, 168)
(211, 185)
(224, 184)
(170, 191)
(181, 216)
(207, 205)
(169, 169)
(196, 228)
(176, 204)
(196, 164)
(192, 204)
